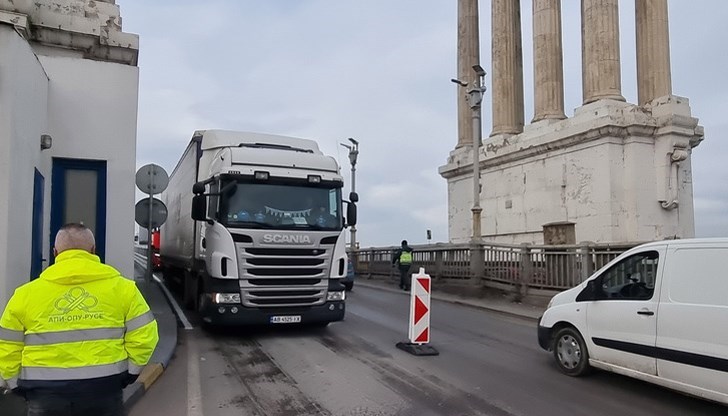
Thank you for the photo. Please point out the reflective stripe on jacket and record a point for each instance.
(79, 320)
(405, 257)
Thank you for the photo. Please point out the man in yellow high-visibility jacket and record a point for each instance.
(403, 257)
(72, 339)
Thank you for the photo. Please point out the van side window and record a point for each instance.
(697, 276)
(632, 278)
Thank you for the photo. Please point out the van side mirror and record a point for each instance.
(351, 213)
(592, 291)
(199, 208)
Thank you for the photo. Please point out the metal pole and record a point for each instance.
(148, 274)
(476, 210)
(353, 189)
(477, 254)
(353, 154)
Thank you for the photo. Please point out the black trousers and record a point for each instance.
(404, 278)
(108, 404)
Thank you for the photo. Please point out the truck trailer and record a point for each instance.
(256, 233)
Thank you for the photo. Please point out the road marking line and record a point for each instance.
(194, 387)
(177, 310)
(185, 322)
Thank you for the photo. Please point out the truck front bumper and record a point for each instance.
(222, 314)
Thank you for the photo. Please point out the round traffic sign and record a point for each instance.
(152, 179)
(141, 213)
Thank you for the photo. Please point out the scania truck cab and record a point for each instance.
(266, 233)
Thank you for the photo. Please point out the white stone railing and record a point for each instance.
(520, 268)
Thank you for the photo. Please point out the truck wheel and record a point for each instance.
(570, 352)
(189, 297)
(172, 278)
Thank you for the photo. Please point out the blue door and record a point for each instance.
(36, 249)
(78, 195)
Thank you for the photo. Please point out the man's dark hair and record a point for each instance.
(404, 243)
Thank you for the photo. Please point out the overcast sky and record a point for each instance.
(379, 71)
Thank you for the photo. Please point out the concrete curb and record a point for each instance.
(167, 324)
(514, 311)
(134, 392)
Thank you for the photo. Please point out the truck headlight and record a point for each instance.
(336, 296)
(226, 297)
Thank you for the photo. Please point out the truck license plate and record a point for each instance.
(288, 319)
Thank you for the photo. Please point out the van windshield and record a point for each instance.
(299, 206)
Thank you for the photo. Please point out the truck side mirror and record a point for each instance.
(198, 188)
(199, 208)
(351, 213)
(353, 197)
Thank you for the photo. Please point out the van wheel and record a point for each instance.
(570, 352)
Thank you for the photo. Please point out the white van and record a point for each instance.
(658, 312)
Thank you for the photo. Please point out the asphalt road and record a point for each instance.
(489, 364)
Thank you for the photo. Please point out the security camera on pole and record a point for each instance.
(475, 98)
(151, 213)
(353, 155)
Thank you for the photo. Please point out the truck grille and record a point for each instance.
(283, 277)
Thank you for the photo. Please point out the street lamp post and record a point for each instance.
(353, 154)
(475, 98)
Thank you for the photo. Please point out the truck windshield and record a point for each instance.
(282, 206)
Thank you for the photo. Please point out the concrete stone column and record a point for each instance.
(654, 79)
(468, 55)
(548, 73)
(601, 71)
(507, 57)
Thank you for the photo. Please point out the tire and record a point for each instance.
(570, 352)
(202, 303)
(348, 286)
(189, 297)
(171, 277)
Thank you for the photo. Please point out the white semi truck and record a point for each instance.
(255, 231)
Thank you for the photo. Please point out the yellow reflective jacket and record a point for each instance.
(79, 320)
(405, 257)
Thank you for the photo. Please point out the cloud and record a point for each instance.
(379, 71)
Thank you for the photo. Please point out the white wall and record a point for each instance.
(606, 170)
(23, 100)
(92, 110)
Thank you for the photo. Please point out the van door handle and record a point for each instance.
(645, 312)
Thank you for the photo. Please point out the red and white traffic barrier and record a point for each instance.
(419, 316)
(419, 322)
